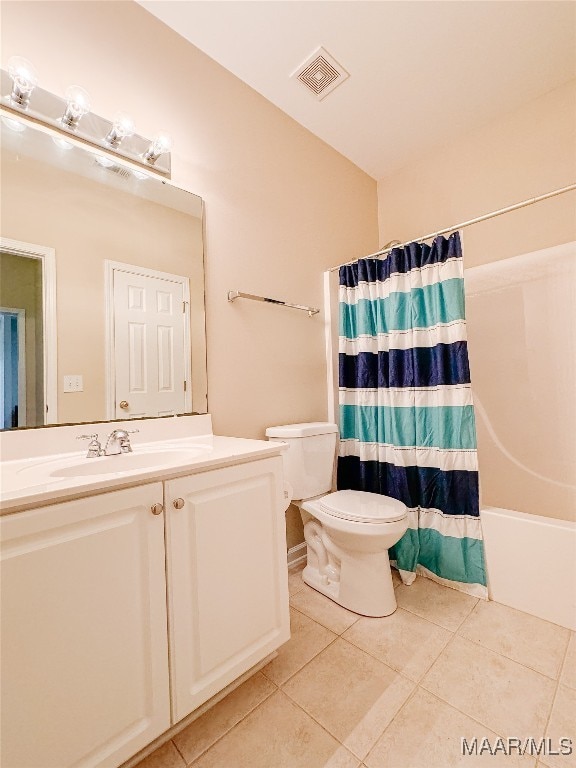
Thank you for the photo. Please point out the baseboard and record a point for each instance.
(297, 555)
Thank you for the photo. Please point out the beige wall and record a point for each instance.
(527, 152)
(281, 206)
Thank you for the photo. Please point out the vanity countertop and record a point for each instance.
(52, 478)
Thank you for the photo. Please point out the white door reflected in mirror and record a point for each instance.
(151, 350)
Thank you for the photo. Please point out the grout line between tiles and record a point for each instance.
(399, 671)
(436, 623)
(547, 724)
(324, 625)
(408, 700)
(503, 655)
(180, 753)
(283, 683)
(395, 671)
(266, 697)
(189, 765)
(311, 716)
(466, 714)
(514, 661)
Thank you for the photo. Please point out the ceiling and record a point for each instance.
(422, 73)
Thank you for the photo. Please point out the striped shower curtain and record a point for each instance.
(406, 415)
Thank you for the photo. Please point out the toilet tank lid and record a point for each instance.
(306, 429)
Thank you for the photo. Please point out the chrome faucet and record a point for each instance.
(94, 447)
(118, 442)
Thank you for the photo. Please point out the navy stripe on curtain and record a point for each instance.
(400, 260)
(417, 367)
(455, 492)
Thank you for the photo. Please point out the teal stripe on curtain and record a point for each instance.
(448, 426)
(418, 308)
(450, 557)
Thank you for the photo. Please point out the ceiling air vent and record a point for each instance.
(321, 73)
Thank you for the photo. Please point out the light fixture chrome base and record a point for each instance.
(46, 108)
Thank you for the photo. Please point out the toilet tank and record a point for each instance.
(309, 460)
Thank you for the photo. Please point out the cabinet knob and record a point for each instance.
(157, 509)
(124, 404)
(178, 503)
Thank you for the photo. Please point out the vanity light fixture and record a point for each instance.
(122, 128)
(24, 80)
(161, 144)
(23, 102)
(77, 105)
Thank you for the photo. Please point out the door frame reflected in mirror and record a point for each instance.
(47, 257)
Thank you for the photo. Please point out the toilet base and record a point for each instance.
(365, 588)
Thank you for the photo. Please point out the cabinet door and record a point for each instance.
(227, 577)
(84, 646)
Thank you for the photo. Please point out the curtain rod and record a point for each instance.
(456, 227)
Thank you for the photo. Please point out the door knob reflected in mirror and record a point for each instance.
(124, 404)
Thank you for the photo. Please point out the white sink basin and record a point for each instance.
(141, 459)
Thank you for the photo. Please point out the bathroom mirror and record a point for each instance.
(101, 287)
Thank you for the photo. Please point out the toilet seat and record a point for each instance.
(363, 507)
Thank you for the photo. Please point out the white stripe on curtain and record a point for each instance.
(442, 333)
(445, 459)
(408, 397)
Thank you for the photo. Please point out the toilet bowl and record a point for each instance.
(348, 533)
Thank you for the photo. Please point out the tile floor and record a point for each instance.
(398, 692)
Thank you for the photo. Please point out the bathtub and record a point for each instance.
(531, 563)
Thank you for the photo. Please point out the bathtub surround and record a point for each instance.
(524, 383)
(406, 414)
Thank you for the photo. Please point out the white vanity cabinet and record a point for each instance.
(124, 611)
(84, 647)
(226, 569)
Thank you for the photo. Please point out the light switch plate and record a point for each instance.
(73, 383)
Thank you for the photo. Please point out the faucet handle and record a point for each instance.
(94, 447)
(122, 435)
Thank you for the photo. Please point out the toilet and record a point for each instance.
(348, 533)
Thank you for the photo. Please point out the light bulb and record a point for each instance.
(24, 80)
(122, 127)
(161, 144)
(77, 105)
